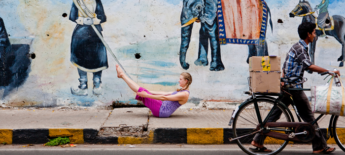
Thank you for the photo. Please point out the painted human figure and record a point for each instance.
(206, 12)
(323, 15)
(88, 53)
(5, 48)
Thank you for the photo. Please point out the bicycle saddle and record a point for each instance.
(291, 79)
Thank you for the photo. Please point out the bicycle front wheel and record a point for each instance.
(246, 122)
(339, 131)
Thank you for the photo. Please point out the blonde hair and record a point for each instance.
(189, 79)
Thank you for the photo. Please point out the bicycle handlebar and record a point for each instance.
(324, 73)
(329, 72)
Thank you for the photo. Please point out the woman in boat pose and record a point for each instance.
(162, 104)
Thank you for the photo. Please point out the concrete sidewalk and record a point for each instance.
(188, 125)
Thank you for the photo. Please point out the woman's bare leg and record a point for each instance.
(120, 74)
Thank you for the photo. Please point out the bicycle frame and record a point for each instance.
(276, 102)
(330, 126)
(274, 126)
(263, 123)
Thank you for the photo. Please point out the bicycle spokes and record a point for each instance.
(247, 127)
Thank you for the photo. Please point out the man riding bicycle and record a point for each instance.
(297, 61)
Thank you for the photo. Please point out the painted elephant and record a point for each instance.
(257, 50)
(260, 49)
(206, 12)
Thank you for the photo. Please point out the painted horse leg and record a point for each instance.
(186, 33)
(343, 53)
(312, 50)
(341, 39)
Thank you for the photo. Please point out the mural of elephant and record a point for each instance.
(206, 12)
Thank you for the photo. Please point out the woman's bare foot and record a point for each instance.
(120, 73)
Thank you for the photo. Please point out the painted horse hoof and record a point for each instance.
(201, 62)
(341, 64)
(185, 65)
(217, 66)
(340, 58)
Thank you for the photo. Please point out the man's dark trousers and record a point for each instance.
(303, 106)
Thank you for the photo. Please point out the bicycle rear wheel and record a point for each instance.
(246, 122)
(339, 131)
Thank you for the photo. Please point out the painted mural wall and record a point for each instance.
(52, 56)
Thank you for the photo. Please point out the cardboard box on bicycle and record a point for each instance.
(266, 63)
(265, 82)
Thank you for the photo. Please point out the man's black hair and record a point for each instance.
(305, 28)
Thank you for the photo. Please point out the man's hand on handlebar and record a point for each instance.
(323, 71)
(337, 72)
(333, 73)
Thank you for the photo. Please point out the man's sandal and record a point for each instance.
(324, 151)
(257, 149)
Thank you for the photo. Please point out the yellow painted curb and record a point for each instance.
(136, 140)
(6, 136)
(149, 140)
(341, 135)
(76, 136)
(130, 140)
(205, 136)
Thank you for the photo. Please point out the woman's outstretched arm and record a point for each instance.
(183, 96)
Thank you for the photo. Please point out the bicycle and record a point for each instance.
(251, 118)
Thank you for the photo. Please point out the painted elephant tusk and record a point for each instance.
(100, 36)
(190, 22)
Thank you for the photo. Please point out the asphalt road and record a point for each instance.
(144, 150)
